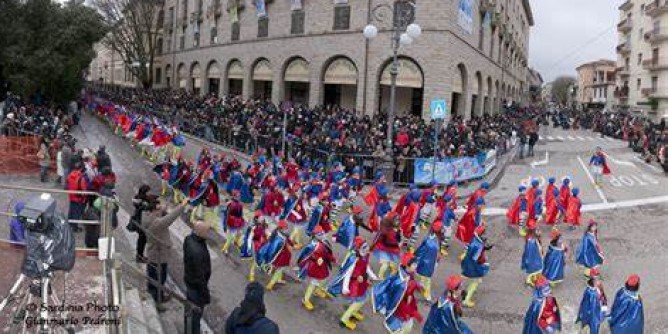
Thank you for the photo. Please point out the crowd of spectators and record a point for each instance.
(320, 131)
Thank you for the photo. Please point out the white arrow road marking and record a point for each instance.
(542, 162)
(621, 162)
(590, 138)
(550, 138)
(560, 137)
(570, 138)
(580, 138)
(591, 179)
(637, 158)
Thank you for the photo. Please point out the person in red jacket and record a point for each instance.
(273, 203)
(573, 214)
(77, 181)
(283, 256)
(234, 222)
(479, 193)
(315, 262)
(386, 246)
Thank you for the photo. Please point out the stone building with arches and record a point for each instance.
(313, 51)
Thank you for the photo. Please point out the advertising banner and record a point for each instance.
(458, 169)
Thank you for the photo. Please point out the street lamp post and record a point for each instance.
(404, 31)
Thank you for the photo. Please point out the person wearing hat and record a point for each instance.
(181, 179)
(479, 193)
(318, 214)
(589, 253)
(272, 204)
(196, 273)
(233, 222)
(474, 263)
(315, 262)
(445, 314)
(627, 314)
(446, 216)
(299, 215)
(250, 315)
(386, 247)
(427, 210)
(355, 183)
(543, 315)
(451, 189)
(554, 209)
(549, 189)
(353, 282)
(427, 256)
(236, 181)
(573, 207)
(275, 254)
(338, 197)
(409, 220)
(470, 221)
(599, 166)
(554, 263)
(380, 208)
(394, 299)
(532, 257)
(254, 237)
(565, 192)
(405, 199)
(205, 196)
(246, 195)
(349, 228)
(531, 196)
(517, 213)
(593, 306)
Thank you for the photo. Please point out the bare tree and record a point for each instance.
(561, 88)
(134, 31)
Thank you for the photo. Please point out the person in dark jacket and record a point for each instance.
(102, 158)
(196, 274)
(249, 317)
(141, 203)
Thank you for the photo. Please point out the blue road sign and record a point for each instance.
(439, 109)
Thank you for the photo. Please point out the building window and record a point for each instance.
(235, 31)
(182, 42)
(638, 84)
(158, 75)
(263, 27)
(341, 17)
(214, 35)
(168, 46)
(297, 25)
(639, 58)
(158, 49)
(641, 33)
(196, 39)
(655, 83)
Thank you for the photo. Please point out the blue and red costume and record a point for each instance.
(543, 315)
(627, 315)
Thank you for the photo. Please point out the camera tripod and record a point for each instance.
(33, 298)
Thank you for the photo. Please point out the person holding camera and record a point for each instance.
(141, 203)
(156, 222)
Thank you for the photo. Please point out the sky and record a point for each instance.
(568, 33)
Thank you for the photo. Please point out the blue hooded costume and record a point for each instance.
(554, 264)
(626, 315)
(246, 250)
(426, 255)
(346, 233)
(268, 253)
(532, 258)
(591, 310)
(588, 253)
(443, 320)
(235, 183)
(386, 297)
(536, 309)
(17, 230)
(474, 264)
(314, 220)
(246, 193)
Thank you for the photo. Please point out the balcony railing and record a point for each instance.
(625, 25)
(624, 48)
(658, 34)
(656, 8)
(626, 5)
(648, 92)
(623, 71)
(655, 64)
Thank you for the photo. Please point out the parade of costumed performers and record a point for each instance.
(292, 217)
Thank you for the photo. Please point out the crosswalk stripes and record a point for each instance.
(572, 138)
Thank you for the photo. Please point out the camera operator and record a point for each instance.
(141, 203)
(77, 181)
(156, 222)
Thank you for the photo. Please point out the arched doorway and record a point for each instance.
(196, 79)
(168, 75)
(213, 78)
(409, 85)
(497, 100)
(476, 97)
(235, 78)
(296, 81)
(263, 76)
(181, 76)
(459, 91)
(340, 80)
(488, 98)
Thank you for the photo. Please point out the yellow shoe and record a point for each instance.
(270, 287)
(468, 303)
(358, 316)
(348, 324)
(320, 293)
(308, 305)
(461, 257)
(281, 281)
(251, 278)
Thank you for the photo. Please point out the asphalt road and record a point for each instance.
(632, 237)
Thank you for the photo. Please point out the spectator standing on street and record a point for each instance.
(196, 274)
(157, 221)
(249, 317)
(44, 160)
(141, 203)
(102, 158)
(60, 168)
(77, 181)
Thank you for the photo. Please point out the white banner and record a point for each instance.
(296, 5)
(465, 16)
